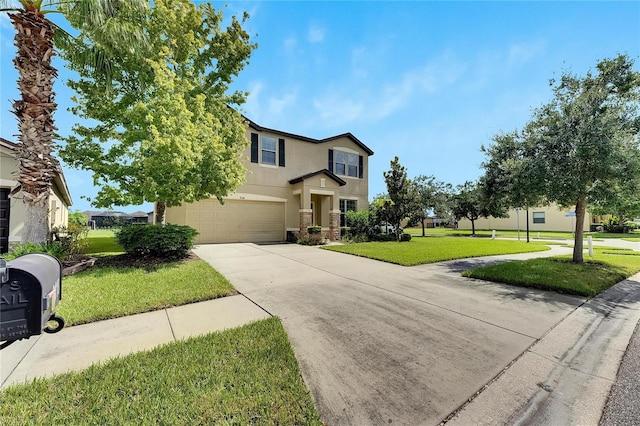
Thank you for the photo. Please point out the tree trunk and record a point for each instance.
(161, 207)
(34, 111)
(473, 228)
(423, 227)
(581, 208)
(36, 229)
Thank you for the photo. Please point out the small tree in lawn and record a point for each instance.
(580, 149)
(398, 205)
(429, 197)
(470, 202)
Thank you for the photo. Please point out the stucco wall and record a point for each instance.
(555, 220)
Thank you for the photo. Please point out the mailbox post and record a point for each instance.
(30, 290)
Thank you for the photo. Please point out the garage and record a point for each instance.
(236, 221)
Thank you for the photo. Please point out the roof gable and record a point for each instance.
(323, 171)
(349, 136)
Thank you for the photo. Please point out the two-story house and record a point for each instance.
(292, 182)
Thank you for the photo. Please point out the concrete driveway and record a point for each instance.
(384, 344)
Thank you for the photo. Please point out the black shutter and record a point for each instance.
(331, 160)
(254, 147)
(360, 167)
(281, 152)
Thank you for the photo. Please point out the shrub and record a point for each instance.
(615, 229)
(167, 241)
(55, 249)
(312, 240)
(631, 225)
(384, 237)
(78, 218)
(73, 238)
(315, 229)
(405, 237)
(363, 224)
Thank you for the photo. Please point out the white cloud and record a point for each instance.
(269, 110)
(336, 111)
(290, 44)
(520, 54)
(375, 103)
(316, 34)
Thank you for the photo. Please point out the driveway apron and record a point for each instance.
(381, 343)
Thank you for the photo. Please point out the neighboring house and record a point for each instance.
(292, 182)
(110, 219)
(12, 209)
(547, 218)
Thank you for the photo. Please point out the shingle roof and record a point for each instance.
(323, 171)
(350, 136)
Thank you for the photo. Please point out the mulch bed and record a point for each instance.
(118, 261)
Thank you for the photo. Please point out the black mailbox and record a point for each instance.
(31, 288)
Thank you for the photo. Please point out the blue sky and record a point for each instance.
(427, 81)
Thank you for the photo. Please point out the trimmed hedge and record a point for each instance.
(167, 241)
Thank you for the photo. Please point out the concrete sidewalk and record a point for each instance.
(78, 347)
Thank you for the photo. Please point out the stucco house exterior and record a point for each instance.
(12, 209)
(292, 182)
(546, 218)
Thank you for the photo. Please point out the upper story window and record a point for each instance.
(345, 163)
(267, 150)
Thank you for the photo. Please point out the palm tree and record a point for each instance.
(34, 39)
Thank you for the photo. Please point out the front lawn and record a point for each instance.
(102, 242)
(435, 249)
(246, 375)
(101, 293)
(533, 235)
(561, 275)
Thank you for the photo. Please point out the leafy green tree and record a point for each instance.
(36, 38)
(363, 224)
(580, 149)
(470, 202)
(78, 218)
(166, 132)
(429, 197)
(398, 204)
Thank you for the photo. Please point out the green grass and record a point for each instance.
(246, 375)
(430, 249)
(102, 293)
(102, 242)
(514, 234)
(561, 275)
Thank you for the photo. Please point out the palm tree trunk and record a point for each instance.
(34, 40)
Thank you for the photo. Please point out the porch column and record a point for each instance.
(334, 225)
(306, 220)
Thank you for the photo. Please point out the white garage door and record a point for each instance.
(237, 221)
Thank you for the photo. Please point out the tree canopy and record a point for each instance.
(163, 128)
(429, 197)
(582, 148)
(470, 201)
